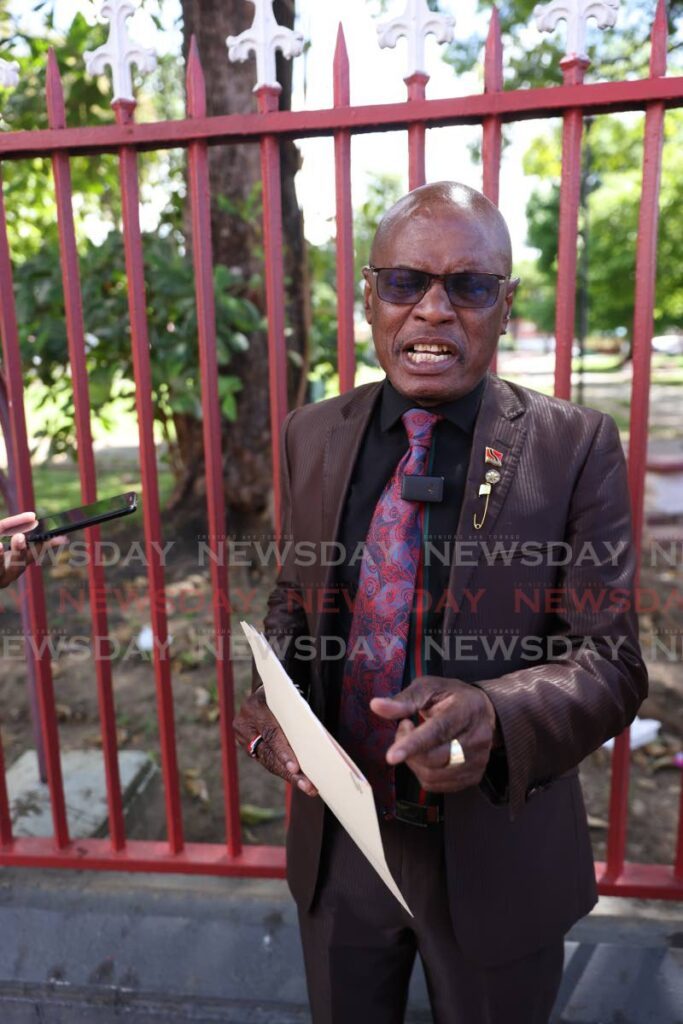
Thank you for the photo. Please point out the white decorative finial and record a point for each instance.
(263, 38)
(9, 74)
(416, 23)
(576, 13)
(120, 52)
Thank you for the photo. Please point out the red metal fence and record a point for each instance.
(573, 101)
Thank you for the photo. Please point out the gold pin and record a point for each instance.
(491, 478)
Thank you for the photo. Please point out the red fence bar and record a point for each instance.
(137, 304)
(144, 855)
(491, 109)
(646, 267)
(5, 819)
(86, 461)
(678, 863)
(11, 501)
(417, 84)
(346, 342)
(509, 105)
(200, 208)
(492, 132)
(492, 127)
(38, 646)
(268, 98)
(573, 69)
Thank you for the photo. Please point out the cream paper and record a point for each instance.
(340, 782)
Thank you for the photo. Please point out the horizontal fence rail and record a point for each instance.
(526, 104)
(572, 101)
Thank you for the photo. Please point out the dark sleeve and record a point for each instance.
(554, 714)
(285, 619)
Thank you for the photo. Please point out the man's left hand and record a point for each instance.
(449, 709)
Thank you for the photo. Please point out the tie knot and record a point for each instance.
(419, 426)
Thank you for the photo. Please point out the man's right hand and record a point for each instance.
(274, 752)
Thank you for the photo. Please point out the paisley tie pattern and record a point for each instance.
(378, 637)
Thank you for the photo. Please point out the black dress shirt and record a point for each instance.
(383, 446)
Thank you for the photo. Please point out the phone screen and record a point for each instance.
(86, 515)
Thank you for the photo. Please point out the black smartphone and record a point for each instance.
(87, 515)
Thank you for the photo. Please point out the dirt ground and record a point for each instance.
(655, 781)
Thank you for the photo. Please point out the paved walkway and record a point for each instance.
(98, 949)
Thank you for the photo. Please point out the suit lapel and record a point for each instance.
(499, 425)
(341, 450)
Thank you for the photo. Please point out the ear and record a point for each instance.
(513, 284)
(367, 295)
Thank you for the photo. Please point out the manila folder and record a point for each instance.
(339, 781)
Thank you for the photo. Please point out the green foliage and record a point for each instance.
(172, 320)
(532, 60)
(171, 307)
(614, 151)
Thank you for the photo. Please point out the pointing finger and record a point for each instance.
(432, 733)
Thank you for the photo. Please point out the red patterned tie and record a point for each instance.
(378, 638)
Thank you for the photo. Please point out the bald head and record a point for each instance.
(445, 203)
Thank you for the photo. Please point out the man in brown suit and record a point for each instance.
(533, 660)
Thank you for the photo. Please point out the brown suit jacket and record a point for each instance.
(519, 871)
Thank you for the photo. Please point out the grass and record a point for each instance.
(57, 486)
(598, 362)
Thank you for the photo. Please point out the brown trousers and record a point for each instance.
(360, 945)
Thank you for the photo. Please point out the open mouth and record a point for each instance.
(428, 353)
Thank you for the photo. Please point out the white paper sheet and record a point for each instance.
(339, 781)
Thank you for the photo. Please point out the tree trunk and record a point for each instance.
(237, 241)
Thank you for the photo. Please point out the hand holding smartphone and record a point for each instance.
(60, 523)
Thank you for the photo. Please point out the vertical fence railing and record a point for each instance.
(38, 644)
(266, 128)
(573, 69)
(643, 321)
(346, 350)
(492, 130)
(417, 174)
(73, 304)
(268, 101)
(492, 133)
(137, 306)
(200, 208)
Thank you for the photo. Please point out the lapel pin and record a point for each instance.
(491, 478)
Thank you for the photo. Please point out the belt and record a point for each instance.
(421, 815)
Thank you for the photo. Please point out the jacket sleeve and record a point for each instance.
(285, 619)
(554, 714)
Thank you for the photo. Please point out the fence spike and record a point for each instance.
(196, 84)
(54, 93)
(493, 57)
(658, 41)
(119, 52)
(342, 87)
(416, 23)
(576, 13)
(263, 37)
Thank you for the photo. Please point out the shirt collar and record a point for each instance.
(462, 412)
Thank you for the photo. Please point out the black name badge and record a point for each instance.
(422, 488)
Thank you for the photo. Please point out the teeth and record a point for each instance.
(428, 357)
(423, 346)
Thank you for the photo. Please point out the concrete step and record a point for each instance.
(87, 948)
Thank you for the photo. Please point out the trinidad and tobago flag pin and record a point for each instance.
(493, 457)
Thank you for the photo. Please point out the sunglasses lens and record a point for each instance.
(401, 286)
(474, 291)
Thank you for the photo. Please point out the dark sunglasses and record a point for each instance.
(405, 286)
